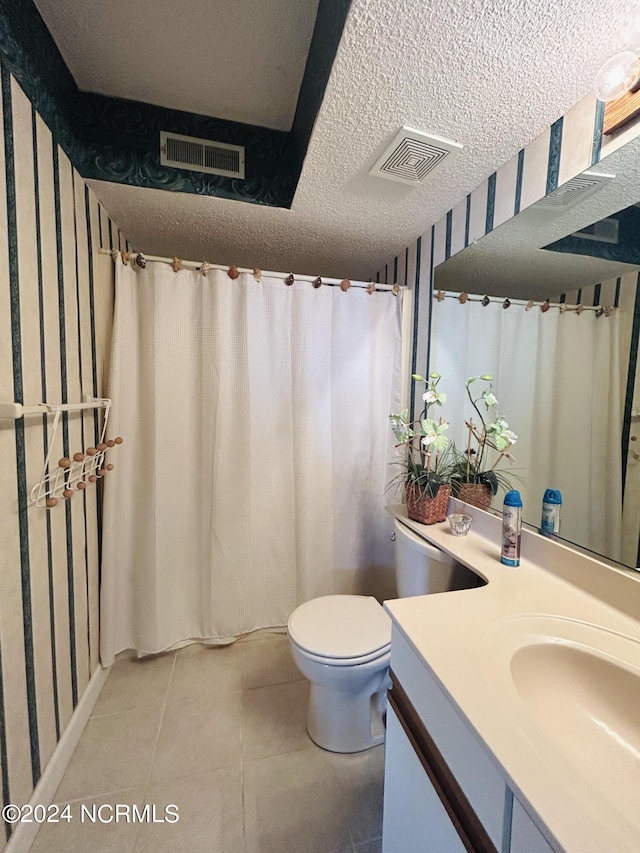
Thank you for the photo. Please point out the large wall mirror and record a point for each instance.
(565, 376)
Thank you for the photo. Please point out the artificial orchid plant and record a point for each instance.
(477, 464)
(425, 458)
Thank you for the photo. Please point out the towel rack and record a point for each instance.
(74, 472)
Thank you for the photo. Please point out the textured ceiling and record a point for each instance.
(241, 61)
(510, 261)
(491, 76)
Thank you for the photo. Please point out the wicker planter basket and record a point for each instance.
(476, 494)
(422, 508)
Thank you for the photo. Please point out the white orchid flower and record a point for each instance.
(489, 399)
(433, 434)
(400, 427)
(502, 435)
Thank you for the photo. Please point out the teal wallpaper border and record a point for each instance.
(117, 140)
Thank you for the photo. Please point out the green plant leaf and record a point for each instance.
(491, 480)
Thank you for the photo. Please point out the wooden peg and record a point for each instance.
(92, 478)
(118, 439)
(78, 457)
(102, 446)
(110, 442)
(65, 462)
(109, 467)
(101, 472)
(91, 451)
(51, 502)
(345, 284)
(67, 493)
(81, 485)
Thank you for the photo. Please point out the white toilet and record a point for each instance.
(341, 643)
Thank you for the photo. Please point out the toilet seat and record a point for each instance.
(347, 662)
(341, 630)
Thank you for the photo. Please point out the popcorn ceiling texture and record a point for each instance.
(489, 76)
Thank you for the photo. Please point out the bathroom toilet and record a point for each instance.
(341, 644)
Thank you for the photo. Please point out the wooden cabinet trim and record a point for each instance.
(466, 822)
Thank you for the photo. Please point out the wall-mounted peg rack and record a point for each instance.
(74, 472)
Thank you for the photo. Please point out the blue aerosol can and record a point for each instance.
(551, 506)
(511, 528)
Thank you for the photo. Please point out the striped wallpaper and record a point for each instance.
(56, 303)
(572, 144)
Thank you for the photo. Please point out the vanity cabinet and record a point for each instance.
(443, 792)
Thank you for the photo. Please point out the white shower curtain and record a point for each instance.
(556, 377)
(255, 455)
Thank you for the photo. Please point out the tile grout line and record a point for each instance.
(155, 748)
(164, 708)
(242, 774)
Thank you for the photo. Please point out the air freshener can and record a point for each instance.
(551, 505)
(511, 528)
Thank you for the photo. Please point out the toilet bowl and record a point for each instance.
(341, 644)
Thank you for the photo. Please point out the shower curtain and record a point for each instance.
(255, 457)
(556, 377)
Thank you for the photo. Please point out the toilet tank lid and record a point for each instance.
(413, 540)
(340, 626)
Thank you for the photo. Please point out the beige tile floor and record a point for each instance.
(220, 733)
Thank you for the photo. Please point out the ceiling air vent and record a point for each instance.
(201, 155)
(574, 191)
(413, 155)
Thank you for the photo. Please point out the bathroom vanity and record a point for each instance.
(513, 722)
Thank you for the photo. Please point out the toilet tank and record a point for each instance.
(422, 569)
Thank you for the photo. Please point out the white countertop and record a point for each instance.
(467, 639)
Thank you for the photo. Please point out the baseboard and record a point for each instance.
(24, 834)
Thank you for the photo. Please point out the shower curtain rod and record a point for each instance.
(332, 282)
(439, 294)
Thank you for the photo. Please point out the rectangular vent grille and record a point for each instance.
(574, 191)
(413, 155)
(201, 155)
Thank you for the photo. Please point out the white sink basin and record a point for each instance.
(588, 705)
(577, 688)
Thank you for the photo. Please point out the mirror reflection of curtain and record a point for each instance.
(256, 453)
(557, 380)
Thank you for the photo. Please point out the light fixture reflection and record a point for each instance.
(618, 75)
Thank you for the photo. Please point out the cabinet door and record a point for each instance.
(469, 762)
(414, 819)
